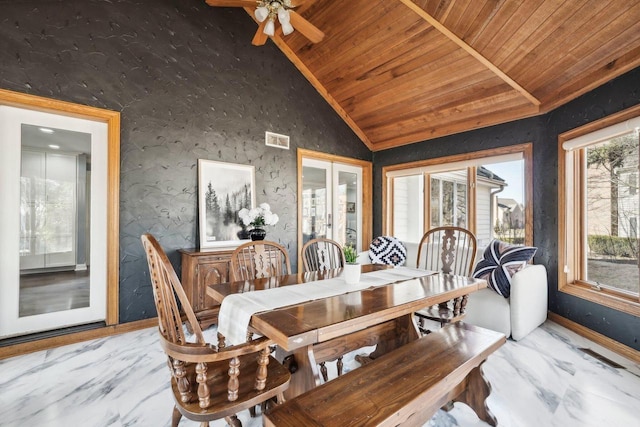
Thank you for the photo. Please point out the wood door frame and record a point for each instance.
(112, 119)
(367, 192)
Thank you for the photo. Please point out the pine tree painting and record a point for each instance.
(227, 189)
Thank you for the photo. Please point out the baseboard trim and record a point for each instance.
(597, 337)
(48, 343)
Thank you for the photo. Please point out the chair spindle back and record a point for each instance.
(166, 286)
(322, 254)
(451, 250)
(259, 259)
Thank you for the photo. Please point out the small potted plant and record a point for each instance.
(352, 268)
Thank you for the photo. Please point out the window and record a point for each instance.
(449, 199)
(409, 193)
(599, 210)
(482, 191)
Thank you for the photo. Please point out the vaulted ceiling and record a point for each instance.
(404, 71)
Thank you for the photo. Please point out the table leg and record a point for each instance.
(306, 375)
(405, 331)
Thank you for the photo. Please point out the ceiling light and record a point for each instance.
(279, 12)
(269, 9)
(270, 28)
(54, 146)
(46, 130)
(262, 13)
(287, 28)
(283, 15)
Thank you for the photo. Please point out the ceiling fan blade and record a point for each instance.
(305, 27)
(232, 3)
(302, 5)
(260, 38)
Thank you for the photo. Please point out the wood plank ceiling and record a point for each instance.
(404, 71)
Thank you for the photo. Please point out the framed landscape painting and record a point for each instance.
(223, 189)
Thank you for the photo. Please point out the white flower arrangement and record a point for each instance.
(258, 217)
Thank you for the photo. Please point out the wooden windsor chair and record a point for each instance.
(259, 259)
(319, 255)
(322, 254)
(208, 382)
(450, 250)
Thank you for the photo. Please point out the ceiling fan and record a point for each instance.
(268, 11)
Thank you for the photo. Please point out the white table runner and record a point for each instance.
(236, 310)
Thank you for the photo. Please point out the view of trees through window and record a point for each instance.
(612, 212)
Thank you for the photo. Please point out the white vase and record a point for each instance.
(352, 273)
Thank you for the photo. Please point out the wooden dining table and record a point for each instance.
(324, 329)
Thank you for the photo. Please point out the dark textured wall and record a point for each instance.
(189, 85)
(543, 132)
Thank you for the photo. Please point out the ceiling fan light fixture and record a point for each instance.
(270, 28)
(271, 13)
(261, 13)
(283, 16)
(287, 28)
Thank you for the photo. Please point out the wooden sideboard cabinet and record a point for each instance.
(199, 269)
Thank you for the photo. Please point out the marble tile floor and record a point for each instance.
(542, 380)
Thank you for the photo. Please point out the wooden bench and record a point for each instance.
(404, 387)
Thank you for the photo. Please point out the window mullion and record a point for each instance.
(472, 176)
(426, 217)
(637, 206)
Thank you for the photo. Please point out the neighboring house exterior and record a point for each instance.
(510, 213)
(489, 185)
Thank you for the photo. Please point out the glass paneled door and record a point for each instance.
(331, 202)
(53, 221)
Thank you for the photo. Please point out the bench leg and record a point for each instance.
(475, 395)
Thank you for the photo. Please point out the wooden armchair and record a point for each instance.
(450, 250)
(208, 383)
(259, 259)
(322, 254)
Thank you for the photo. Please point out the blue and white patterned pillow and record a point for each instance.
(387, 250)
(500, 262)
